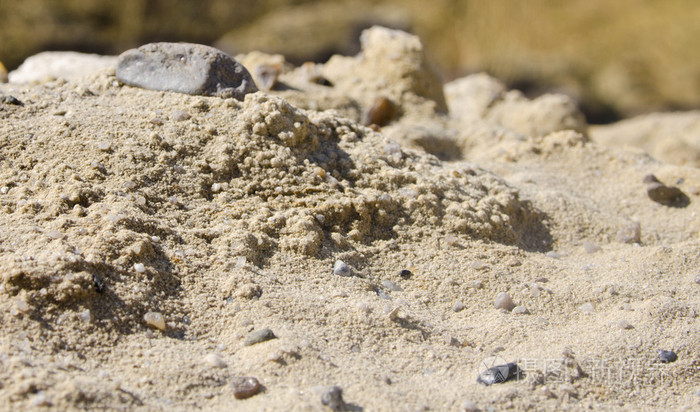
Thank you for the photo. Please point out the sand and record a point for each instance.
(147, 234)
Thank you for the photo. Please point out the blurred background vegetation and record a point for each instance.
(617, 58)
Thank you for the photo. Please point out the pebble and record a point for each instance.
(245, 386)
(381, 113)
(667, 356)
(333, 398)
(504, 301)
(185, 68)
(391, 285)
(155, 319)
(520, 310)
(215, 361)
(11, 100)
(258, 336)
(498, 374)
(406, 274)
(470, 406)
(139, 267)
(458, 306)
(180, 116)
(623, 324)
(661, 193)
(591, 247)
(341, 268)
(632, 233)
(587, 307)
(64, 65)
(268, 75)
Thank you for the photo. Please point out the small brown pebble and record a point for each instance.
(660, 193)
(245, 386)
(381, 113)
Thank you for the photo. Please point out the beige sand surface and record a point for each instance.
(227, 217)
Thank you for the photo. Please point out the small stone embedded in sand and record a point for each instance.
(245, 386)
(591, 247)
(659, 192)
(267, 76)
(520, 310)
(405, 274)
(458, 306)
(139, 268)
(214, 360)
(587, 307)
(470, 406)
(498, 374)
(180, 116)
(632, 233)
(341, 268)
(667, 356)
(381, 113)
(333, 398)
(623, 324)
(155, 319)
(11, 100)
(185, 68)
(504, 301)
(391, 285)
(258, 336)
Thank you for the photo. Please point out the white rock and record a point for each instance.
(214, 360)
(60, 65)
(341, 268)
(155, 319)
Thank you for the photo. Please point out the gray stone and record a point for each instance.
(341, 268)
(185, 68)
(333, 398)
(259, 336)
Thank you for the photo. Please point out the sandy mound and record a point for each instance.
(121, 205)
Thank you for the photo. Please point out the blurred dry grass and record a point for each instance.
(622, 56)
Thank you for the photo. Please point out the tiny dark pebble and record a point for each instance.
(98, 283)
(659, 192)
(11, 100)
(245, 386)
(405, 274)
(259, 336)
(498, 374)
(667, 356)
(333, 398)
(381, 113)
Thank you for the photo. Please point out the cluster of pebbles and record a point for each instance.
(199, 183)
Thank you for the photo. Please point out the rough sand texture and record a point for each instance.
(227, 217)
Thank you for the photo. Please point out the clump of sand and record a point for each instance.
(226, 217)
